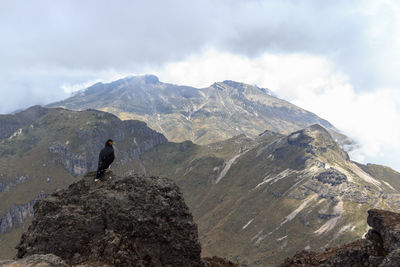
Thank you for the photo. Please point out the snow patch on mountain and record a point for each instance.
(330, 224)
(283, 237)
(227, 167)
(275, 178)
(294, 213)
(247, 224)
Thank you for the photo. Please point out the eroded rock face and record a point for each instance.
(17, 214)
(48, 260)
(331, 176)
(380, 248)
(124, 221)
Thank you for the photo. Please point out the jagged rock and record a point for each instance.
(6, 186)
(392, 259)
(17, 214)
(380, 248)
(48, 260)
(124, 221)
(216, 261)
(331, 176)
(387, 225)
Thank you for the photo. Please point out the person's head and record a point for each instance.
(109, 142)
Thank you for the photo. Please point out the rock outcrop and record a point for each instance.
(381, 247)
(17, 214)
(133, 139)
(48, 260)
(124, 221)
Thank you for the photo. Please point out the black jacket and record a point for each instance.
(106, 157)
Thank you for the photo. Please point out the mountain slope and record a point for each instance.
(51, 151)
(256, 200)
(260, 201)
(11, 122)
(204, 116)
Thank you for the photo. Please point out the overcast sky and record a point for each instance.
(338, 59)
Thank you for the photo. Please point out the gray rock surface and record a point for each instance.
(380, 248)
(6, 186)
(86, 158)
(124, 221)
(17, 214)
(48, 260)
(331, 176)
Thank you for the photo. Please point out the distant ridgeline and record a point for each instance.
(203, 116)
(258, 198)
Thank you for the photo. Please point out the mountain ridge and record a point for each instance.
(202, 115)
(272, 196)
(249, 196)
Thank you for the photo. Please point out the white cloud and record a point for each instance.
(371, 118)
(104, 76)
(310, 52)
(281, 71)
(314, 83)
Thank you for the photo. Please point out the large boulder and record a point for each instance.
(124, 221)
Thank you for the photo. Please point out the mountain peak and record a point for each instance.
(239, 86)
(229, 85)
(317, 140)
(147, 78)
(308, 134)
(316, 131)
(203, 115)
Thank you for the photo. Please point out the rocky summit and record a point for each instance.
(381, 246)
(124, 221)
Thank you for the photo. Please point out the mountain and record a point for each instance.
(49, 151)
(258, 201)
(255, 200)
(9, 124)
(203, 116)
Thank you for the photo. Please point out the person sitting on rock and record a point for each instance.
(106, 157)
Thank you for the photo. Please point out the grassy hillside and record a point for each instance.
(259, 201)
